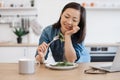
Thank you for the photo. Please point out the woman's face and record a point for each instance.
(69, 19)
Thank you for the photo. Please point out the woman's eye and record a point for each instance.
(66, 16)
(74, 20)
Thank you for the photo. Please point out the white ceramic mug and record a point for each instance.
(26, 66)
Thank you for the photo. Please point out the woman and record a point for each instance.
(71, 29)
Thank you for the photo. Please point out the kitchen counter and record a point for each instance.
(103, 44)
(10, 72)
(35, 44)
(18, 45)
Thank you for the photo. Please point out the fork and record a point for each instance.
(55, 38)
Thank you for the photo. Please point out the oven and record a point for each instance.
(102, 54)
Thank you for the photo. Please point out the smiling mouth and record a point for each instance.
(68, 27)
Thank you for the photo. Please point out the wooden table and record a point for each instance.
(10, 71)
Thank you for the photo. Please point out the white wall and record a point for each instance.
(103, 26)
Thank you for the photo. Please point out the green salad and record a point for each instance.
(63, 64)
(61, 37)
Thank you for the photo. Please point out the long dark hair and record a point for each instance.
(80, 35)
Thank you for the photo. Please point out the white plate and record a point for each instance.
(62, 67)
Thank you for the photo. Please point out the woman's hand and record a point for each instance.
(74, 30)
(42, 49)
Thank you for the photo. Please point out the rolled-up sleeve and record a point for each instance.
(82, 53)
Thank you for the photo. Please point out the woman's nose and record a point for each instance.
(69, 21)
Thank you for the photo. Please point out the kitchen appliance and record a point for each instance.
(114, 67)
(102, 53)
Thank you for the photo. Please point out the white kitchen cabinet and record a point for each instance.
(13, 54)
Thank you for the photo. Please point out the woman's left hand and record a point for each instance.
(74, 30)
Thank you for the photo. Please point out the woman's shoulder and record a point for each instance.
(47, 28)
(51, 29)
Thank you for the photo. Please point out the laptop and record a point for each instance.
(114, 67)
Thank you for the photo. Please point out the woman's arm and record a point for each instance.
(43, 46)
(70, 53)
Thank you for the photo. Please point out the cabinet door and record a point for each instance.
(11, 54)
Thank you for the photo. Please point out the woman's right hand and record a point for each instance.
(42, 49)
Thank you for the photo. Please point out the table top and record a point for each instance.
(9, 71)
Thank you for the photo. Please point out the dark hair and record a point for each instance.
(80, 35)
